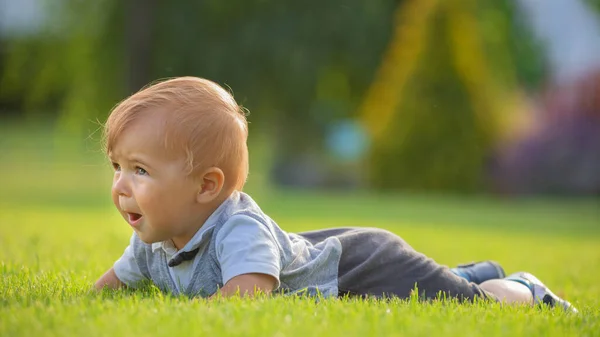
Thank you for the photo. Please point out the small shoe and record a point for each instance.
(541, 294)
(479, 272)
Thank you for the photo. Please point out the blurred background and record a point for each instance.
(494, 97)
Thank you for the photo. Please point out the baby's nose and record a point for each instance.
(121, 186)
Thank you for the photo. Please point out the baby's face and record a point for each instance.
(151, 189)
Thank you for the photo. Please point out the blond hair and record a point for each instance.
(201, 118)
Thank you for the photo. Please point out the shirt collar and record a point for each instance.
(211, 222)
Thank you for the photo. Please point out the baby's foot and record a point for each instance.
(479, 272)
(541, 294)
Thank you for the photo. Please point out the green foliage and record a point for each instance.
(511, 46)
(278, 57)
(298, 67)
(69, 75)
(435, 141)
(447, 122)
(594, 4)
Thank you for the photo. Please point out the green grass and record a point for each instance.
(58, 233)
(50, 256)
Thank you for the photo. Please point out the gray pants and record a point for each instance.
(378, 263)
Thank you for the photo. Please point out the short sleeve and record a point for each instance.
(245, 246)
(127, 269)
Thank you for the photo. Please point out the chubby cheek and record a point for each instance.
(162, 205)
(148, 198)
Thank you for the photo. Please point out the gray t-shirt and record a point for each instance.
(238, 238)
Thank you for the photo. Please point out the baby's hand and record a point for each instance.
(109, 280)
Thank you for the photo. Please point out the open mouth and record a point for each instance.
(133, 217)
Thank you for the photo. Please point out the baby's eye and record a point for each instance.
(140, 171)
(116, 167)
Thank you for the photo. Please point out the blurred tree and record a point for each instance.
(445, 92)
(298, 65)
(69, 73)
(595, 4)
(434, 108)
(139, 31)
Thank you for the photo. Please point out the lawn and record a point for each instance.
(58, 233)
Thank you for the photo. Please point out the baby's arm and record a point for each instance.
(109, 280)
(124, 273)
(249, 256)
(248, 285)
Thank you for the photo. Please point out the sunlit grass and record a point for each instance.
(50, 256)
(58, 233)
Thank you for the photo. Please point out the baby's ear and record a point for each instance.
(211, 184)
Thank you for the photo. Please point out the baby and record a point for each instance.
(180, 159)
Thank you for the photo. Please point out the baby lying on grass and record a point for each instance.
(180, 161)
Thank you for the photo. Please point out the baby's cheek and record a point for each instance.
(145, 191)
(153, 201)
(146, 202)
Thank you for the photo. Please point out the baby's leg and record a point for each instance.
(490, 277)
(478, 272)
(379, 263)
(523, 287)
(508, 291)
